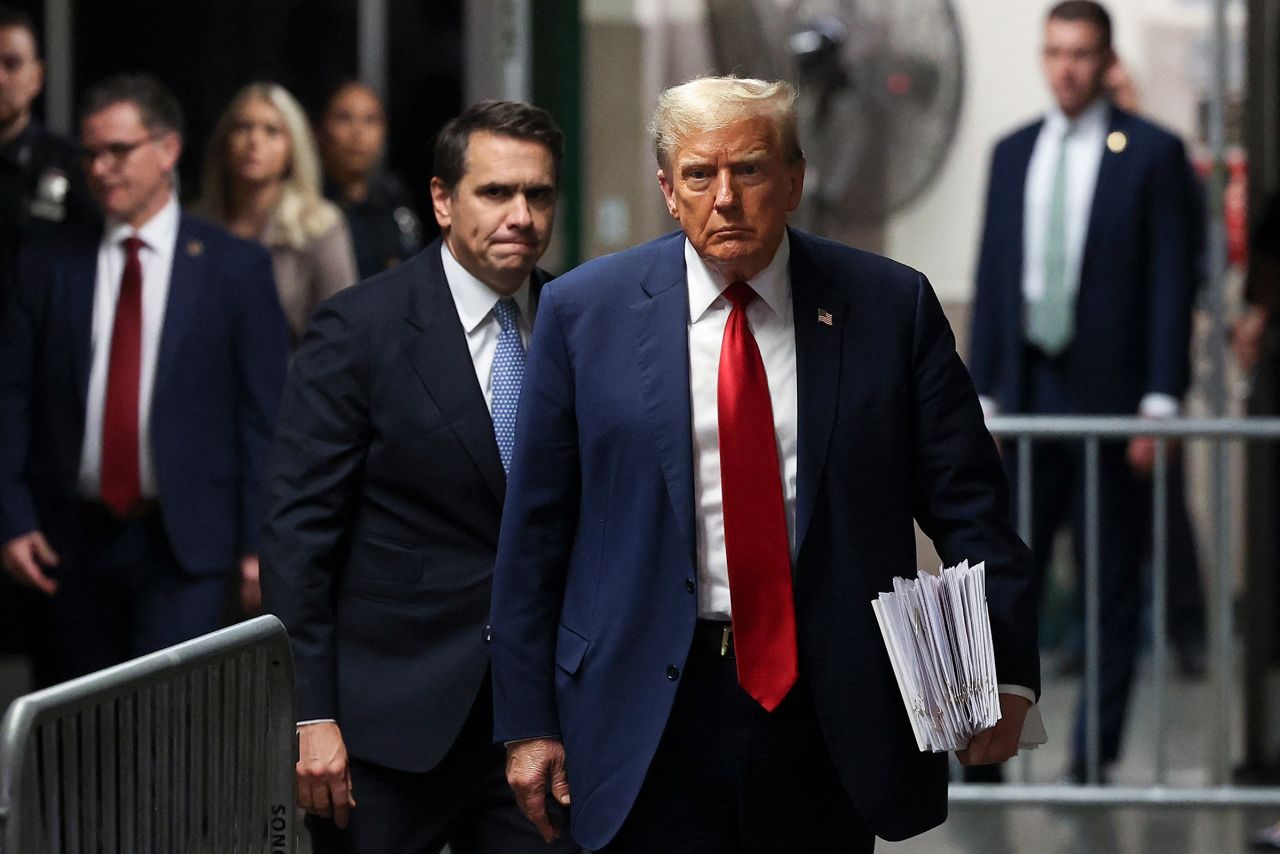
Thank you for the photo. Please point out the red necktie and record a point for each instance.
(755, 522)
(120, 481)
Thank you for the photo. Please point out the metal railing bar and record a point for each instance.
(114, 761)
(163, 782)
(1224, 618)
(128, 798)
(1160, 600)
(1093, 646)
(110, 780)
(1025, 486)
(1124, 426)
(146, 769)
(89, 786)
(52, 796)
(1057, 794)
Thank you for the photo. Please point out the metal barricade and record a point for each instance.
(1091, 431)
(189, 749)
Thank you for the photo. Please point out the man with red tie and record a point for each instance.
(723, 439)
(141, 375)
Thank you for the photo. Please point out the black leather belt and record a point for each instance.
(713, 637)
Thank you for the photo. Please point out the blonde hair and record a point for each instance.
(302, 213)
(713, 103)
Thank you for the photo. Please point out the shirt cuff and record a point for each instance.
(516, 741)
(1155, 404)
(316, 721)
(1018, 691)
(990, 408)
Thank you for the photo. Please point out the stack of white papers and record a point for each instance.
(938, 634)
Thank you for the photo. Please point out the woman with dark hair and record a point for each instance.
(352, 131)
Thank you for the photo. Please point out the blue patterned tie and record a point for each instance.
(504, 382)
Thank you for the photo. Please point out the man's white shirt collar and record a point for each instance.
(474, 299)
(772, 284)
(158, 234)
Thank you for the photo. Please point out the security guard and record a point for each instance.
(42, 189)
(384, 228)
(42, 186)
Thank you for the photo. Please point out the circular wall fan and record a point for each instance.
(880, 82)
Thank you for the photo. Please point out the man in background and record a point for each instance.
(387, 484)
(42, 190)
(141, 373)
(1083, 306)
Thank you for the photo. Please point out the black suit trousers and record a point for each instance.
(731, 778)
(463, 802)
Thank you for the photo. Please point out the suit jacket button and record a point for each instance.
(673, 673)
(488, 634)
(690, 586)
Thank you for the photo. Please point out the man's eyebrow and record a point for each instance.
(512, 188)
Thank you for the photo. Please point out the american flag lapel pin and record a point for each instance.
(824, 317)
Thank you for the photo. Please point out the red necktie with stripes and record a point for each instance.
(121, 487)
(755, 523)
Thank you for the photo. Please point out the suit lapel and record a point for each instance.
(1017, 214)
(81, 285)
(441, 358)
(661, 321)
(186, 281)
(818, 359)
(1104, 201)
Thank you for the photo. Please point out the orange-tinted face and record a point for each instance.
(21, 74)
(1075, 63)
(129, 168)
(352, 132)
(732, 190)
(258, 145)
(497, 220)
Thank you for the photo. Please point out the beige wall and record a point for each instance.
(635, 47)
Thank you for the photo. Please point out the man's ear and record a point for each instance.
(795, 174)
(171, 150)
(668, 194)
(441, 203)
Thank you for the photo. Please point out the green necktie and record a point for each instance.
(1051, 320)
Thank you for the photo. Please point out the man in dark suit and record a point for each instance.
(141, 375)
(724, 438)
(42, 192)
(1084, 289)
(387, 485)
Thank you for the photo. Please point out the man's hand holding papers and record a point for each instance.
(937, 632)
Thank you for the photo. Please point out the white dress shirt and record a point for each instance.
(772, 324)
(1086, 145)
(475, 301)
(769, 317)
(159, 235)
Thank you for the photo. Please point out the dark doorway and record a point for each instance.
(207, 49)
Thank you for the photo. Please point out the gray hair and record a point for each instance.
(714, 103)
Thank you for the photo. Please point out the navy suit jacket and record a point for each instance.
(594, 592)
(386, 494)
(1137, 276)
(219, 375)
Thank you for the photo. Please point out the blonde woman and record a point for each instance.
(262, 182)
